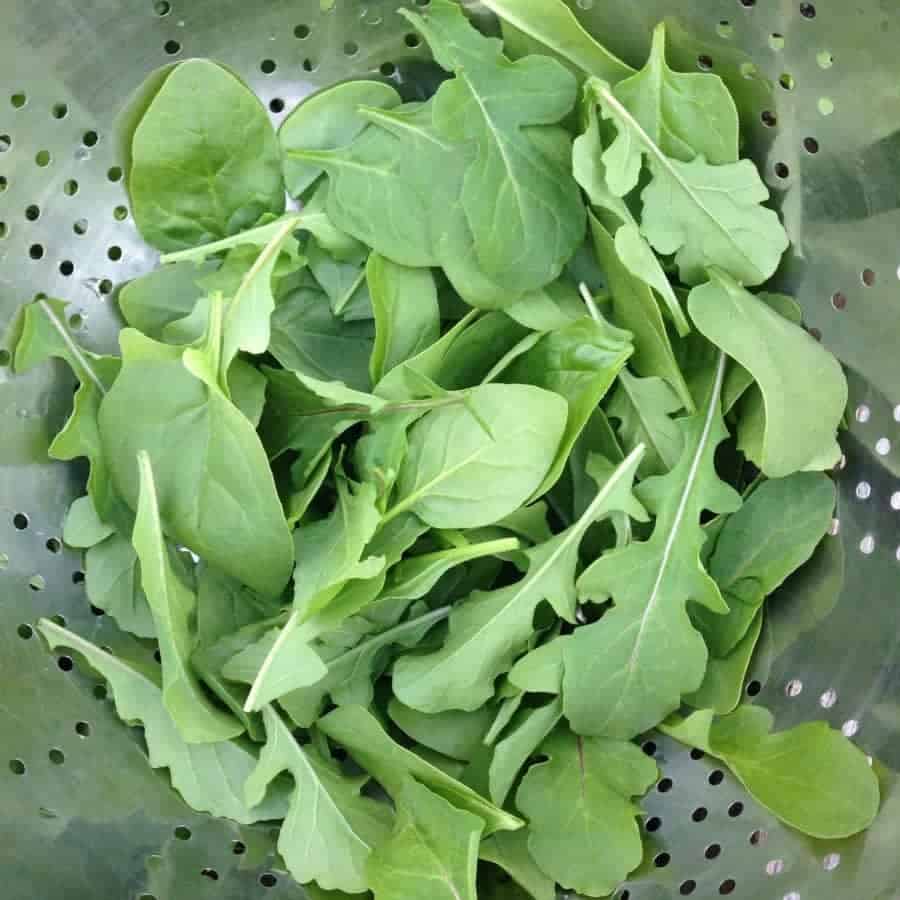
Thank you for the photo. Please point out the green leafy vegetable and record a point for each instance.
(196, 178)
(579, 802)
(630, 669)
(113, 584)
(811, 777)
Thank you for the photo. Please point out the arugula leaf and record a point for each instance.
(552, 24)
(631, 668)
(802, 413)
(455, 734)
(579, 802)
(771, 536)
(635, 309)
(684, 114)
(488, 104)
(432, 853)
(327, 120)
(509, 850)
(45, 335)
(216, 493)
(811, 777)
(540, 671)
(526, 733)
(350, 671)
(579, 362)
(330, 830)
(210, 777)
(407, 317)
(359, 732)
(113, 584)
(457, 476)
(173, 606)
(195, 179)
(707, 215)
(489, 629)
(644, 408)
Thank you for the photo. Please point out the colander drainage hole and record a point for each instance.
(57, 757)
(268, 880)
(211, 874)
(653, 824)
(727, 886)
(687, 888)
(238, 848)
(183, 833)
(713, 851)
(83, 729)
(736, 810)
(661, 860)
(20, 521)
(716, 777)
(17, 767)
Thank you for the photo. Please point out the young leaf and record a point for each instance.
(83, 528)
(580, 363)
(489, 629)
(684, 114)
(194, 179)
(216, 491)
(811, 777)
(350, 671)
(627, 671)
(552, 24)
(753, 556)
(173, 607)
(635, 309)
(327, 120)
(455, 734)
(45, 335)
(490, 103)
(584, 832)
(163, 296)
(113, 584)
(707, 215)
(362, 736)
(527, 732)
(432, 853)
(723, 683)
(802, 413)
(330, 830)
(457, 476)
(407, 317)
(308, 338)
(210, 777)
(644, 408)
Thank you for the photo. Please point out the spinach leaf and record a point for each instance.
(308, 338)
(407, 317)
(173, 607)
(198, 174)
(552, 24)
(488, 104)
(811, 777)
(432, 853)
(631, 668)
(457, 476)
(328, 120)
(489, 629)
(771, 536)
(216, 492)
(330, 829)
(391, 765)
(210, 777)
(579, 802)
(802, 413)
(579, 362)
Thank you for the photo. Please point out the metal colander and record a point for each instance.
(82, 815)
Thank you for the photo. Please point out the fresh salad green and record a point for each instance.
(419, 483)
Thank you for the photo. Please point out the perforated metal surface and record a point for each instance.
(81, 814)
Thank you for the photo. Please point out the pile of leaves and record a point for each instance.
(442, 486)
